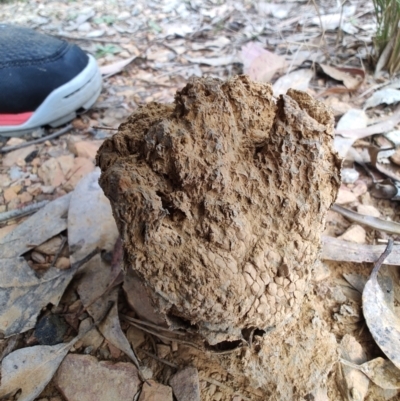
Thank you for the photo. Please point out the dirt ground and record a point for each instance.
(278, 350)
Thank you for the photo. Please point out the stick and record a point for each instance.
(382, 258)
(63, 242)
(154, 326)
(105, 128)
(157, 358)
(166, 337)
(56, 134)
(17, 213)
(344, 251)
(373, 222)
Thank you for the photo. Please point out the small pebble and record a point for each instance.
(349, 175)
(50, 330)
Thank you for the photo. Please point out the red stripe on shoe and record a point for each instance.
(15, 119)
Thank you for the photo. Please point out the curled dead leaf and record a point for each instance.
(385, 189)
(382, 322)
(383, 126)
(391, 170)
(352, 78)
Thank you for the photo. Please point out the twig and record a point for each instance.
(340, 24)
(17, 213)
(105, 128)
(189, 343)
(160, 359)
(154, 326)
(373, 222)
(61, 247)
(382, 258)
(322, 29)
(79, 263)
(385, 241)
(166, 337)
(62, 35)
(110, 286)
(56, 134)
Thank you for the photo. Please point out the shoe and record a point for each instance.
(43, 80)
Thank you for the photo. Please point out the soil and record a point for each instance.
(220, 199)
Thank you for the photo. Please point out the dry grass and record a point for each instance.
(387, 39)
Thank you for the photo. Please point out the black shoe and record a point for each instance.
(43, 80)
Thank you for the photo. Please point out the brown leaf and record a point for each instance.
(377, 128)
(260, 64)
(352, 78)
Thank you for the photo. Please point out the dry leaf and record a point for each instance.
(383, 126)
(383, 96)
(298, 79)
(339, 250)
(22, 293)
(91, 225)
(115, 68)
(336, 90)
(111, 330)
(385, 189)
(351, 120)
(382, 322)
(260, 64)
(327, 22)
(352, 78)
(357, 281)
(391, 170)
(90, 221)
(213, 61)
(380, 371)
(30, 369)
(353, 384)
(279, 11)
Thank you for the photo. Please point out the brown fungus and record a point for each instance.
(220, 199)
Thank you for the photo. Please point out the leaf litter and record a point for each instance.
(28, 370)
(193, 37)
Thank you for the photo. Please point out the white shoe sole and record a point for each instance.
(62, 104)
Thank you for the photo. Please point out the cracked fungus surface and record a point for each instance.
(220, 199)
